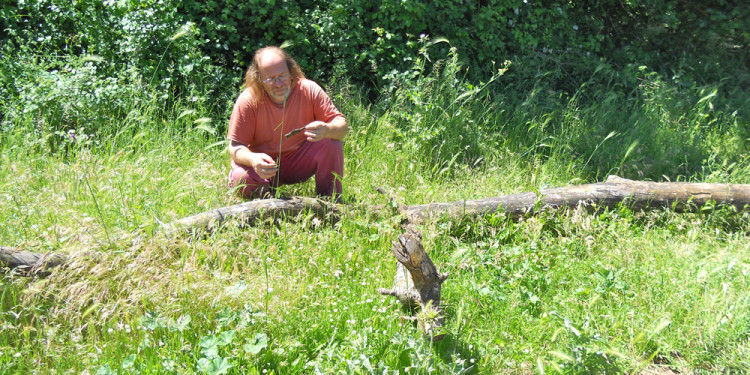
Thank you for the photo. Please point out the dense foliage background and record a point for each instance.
(84, 66)
(113, 118)
(186, 46)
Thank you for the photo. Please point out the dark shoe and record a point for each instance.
(336, 198)
(264, 192)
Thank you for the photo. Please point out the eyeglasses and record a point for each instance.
(281, 79)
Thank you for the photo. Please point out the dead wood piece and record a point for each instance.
(253, 211)
(28, 262)
(421, 286)
(641, 195)
(247, 212)
(293, 132)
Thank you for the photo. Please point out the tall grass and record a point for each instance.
(568, 292)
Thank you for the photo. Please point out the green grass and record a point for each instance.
(566, 292)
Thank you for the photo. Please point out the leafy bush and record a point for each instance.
(91, 65)
(189, 50)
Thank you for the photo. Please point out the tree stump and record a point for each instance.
(421, 286)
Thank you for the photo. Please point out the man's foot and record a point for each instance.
(336, 198)
(264, 192)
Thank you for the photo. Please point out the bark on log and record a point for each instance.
(253, 211)
(247, 213)
(641, 195)
(29, 263)
(421, 287)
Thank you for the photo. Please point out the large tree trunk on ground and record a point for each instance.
(641, 195)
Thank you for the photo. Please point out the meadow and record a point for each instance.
(617, 291)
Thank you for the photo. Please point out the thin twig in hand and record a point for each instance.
(293, 132)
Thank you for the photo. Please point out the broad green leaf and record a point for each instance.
(129, 361)
(260, 343)
(236, 289)
(105, 370)
(216, 366)
(208, 341)
(181, 324)
(225, 338)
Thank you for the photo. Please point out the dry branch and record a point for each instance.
(246, 213)
(254, 211)
(28, 262)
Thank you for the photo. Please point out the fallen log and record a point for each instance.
(246, 213)
(29, 263)
(640, 195)
(254, 211)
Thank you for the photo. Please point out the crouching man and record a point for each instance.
(283, 130)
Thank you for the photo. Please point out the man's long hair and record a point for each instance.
(252, 76)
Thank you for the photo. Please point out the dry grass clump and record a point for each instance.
(125, 281)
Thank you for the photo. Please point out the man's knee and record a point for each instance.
(332, 149)
(244, 183)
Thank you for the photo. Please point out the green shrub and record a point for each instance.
(196, 51)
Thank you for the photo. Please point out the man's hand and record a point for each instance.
(263, 165)
(316, 131)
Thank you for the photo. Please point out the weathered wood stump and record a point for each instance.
(421, 286)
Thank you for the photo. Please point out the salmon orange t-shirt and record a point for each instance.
(261, 126)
